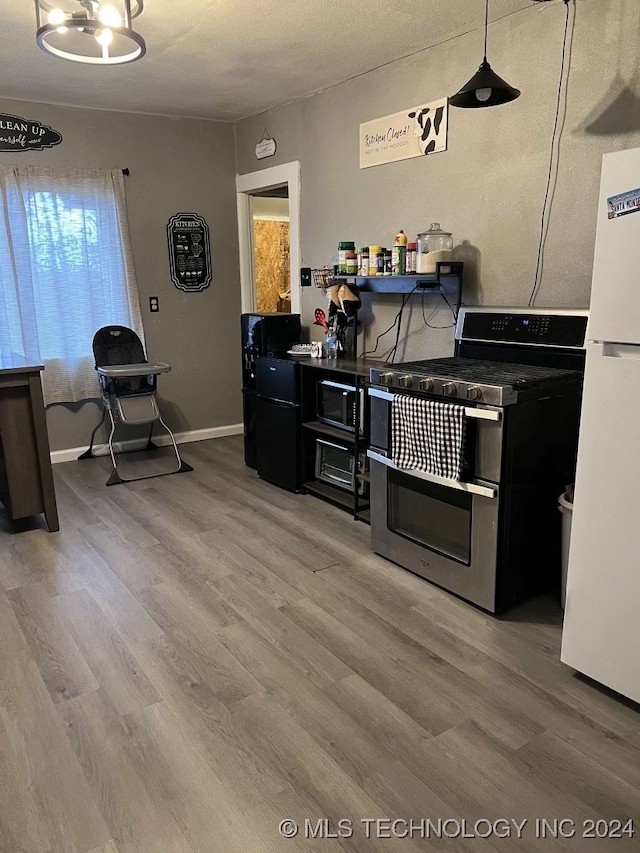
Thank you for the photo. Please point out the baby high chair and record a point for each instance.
(128, 383)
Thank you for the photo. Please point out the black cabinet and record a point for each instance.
(289, 443)
(335, 464)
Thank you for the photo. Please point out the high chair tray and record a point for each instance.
(120, 371)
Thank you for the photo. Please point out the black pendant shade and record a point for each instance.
(485, 89)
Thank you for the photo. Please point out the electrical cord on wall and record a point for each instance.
(392, 353)
(397, 323)
(381, 335)
(449, 306)
(389, 354)
(556, 137)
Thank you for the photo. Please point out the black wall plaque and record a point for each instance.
(23, 134)
(189, 252)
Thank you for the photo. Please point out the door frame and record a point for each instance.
(246, 185)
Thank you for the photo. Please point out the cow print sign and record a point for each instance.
(429, 125)
(412, 132)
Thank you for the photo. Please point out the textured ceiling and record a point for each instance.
(228, 59)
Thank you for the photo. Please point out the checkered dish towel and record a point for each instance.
(428, 436)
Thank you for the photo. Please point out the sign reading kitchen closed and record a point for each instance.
(414, 132)
(23, 134)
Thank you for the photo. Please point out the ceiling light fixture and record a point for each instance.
(485, 89)
(97, 32)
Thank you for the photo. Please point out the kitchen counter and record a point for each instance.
(353, 366)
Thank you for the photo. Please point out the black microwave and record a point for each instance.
(337, 404)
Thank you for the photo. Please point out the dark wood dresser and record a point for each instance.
(26, 478)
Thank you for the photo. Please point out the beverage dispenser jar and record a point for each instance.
(434, 245)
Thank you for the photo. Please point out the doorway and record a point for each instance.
(271, 250)
(269, 238)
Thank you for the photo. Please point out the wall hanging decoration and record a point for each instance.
(267, 146)
(189, 252)
(98, 32)
(413, 132)
(486, 88)
(23, 134)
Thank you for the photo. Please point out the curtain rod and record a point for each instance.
(126, 172)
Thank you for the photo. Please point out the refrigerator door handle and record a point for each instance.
(280, 404)
(621, 350)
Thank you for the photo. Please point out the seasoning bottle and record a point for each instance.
(380, 261)
(352, 264)
(343, 248)
(374, 251)
(387, 261)
(363, 261)
(412, 256)
(399, 254)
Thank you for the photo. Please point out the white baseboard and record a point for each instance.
(72, 453)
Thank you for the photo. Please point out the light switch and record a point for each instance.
(154, 304)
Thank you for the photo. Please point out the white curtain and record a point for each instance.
(66, 269)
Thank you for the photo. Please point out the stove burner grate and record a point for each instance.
(486, 372)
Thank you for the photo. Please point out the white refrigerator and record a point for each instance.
(601, 635)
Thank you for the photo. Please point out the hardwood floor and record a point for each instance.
(195, 658)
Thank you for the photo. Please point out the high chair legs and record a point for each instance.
(88, 454)
(115, 477)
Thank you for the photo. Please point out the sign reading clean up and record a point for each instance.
(23, 134)
(411, 133)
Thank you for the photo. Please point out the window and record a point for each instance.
(65, 270)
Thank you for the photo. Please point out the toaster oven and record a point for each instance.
(336, 464)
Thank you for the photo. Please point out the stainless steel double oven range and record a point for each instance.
(493, 538)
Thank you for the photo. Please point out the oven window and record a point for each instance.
(430, 515)
(335, 464)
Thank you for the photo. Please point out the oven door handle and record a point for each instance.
(469, 411)
(484, 491)
(381, 395)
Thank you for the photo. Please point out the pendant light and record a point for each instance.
(486, 88)
(95, 32)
